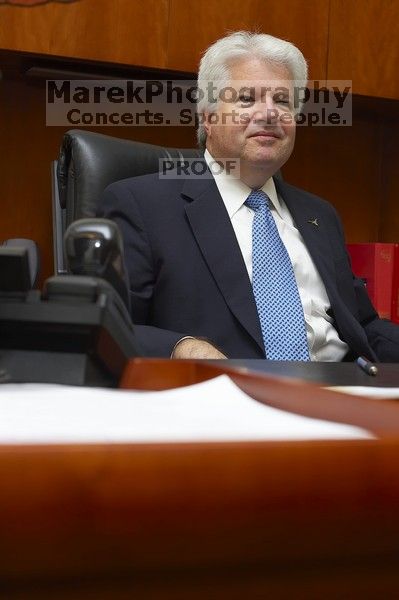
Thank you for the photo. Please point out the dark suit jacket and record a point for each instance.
(187, 275)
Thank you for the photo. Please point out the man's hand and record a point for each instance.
(194, 348)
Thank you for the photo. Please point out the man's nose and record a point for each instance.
(266, 111)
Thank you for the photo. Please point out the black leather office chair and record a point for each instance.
(87, 164)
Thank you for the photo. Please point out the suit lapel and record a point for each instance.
(215, 236)
(216, 239)
(312, 228)
(318, 243)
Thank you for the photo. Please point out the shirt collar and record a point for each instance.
(234, 192)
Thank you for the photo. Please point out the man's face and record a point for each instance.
(260, 126)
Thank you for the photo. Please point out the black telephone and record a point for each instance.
(76, 331)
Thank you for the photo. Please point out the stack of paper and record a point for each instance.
(215, 410)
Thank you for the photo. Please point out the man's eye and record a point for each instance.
(246, 99)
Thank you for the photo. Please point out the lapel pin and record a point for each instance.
(313, 222)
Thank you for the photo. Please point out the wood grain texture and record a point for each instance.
(194, 26)
(27, 148)
(174, 521)
(355, 168)
(124, 31)
(343, 165)
(389, 213)
(364, 46)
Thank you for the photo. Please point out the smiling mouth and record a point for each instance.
(266, 134)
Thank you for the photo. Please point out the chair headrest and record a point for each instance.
(89, 162)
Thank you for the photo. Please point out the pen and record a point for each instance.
(367, 366)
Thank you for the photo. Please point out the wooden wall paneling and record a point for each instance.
(342, 165)
(338, 163)
(27, 148)
(364, 45)
(25, 162)
(124, 31)
(389, 214)
(194, 26)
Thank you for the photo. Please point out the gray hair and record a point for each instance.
(214, 65)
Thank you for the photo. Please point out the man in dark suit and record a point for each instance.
(205, 278)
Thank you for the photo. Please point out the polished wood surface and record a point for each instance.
(160, 33)
(364, 46)
(389, 211)
(341, 39)
(193, 27)
(26, 149)
(180, 521)
(190, 521)
(342, 165)
(125, 31)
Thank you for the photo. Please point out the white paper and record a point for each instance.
(367, 391)
(215, 410)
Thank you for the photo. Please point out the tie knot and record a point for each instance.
(257, 199)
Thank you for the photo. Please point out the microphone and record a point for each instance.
(94, 248)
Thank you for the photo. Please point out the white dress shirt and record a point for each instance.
(323, 340)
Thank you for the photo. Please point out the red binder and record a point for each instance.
(375, 264)
(395, 286)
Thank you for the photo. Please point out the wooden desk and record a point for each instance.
(198, 521)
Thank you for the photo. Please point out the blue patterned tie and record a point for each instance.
(276, 292)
